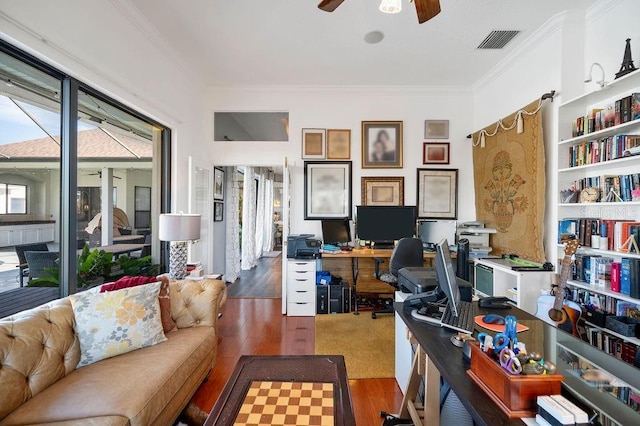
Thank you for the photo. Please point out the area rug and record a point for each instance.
(367, 344)
(271, 254)
(509, 177)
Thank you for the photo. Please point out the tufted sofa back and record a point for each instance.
(38, 347)
(196, 303)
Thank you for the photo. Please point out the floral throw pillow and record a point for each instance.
(117, 322)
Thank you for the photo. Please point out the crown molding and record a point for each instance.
(598, 9)
(364, 90)
(549, 28)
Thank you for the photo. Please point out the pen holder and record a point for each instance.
(514, 394)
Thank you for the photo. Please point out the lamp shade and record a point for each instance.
(179, 227)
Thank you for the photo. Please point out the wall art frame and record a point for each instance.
(327, 193)
(218, 211)
(435, 153)
(338, 144)
(436, 129)
(382, 144)
(218, 184)
(437, 193)
(382, 190)
(314, 144)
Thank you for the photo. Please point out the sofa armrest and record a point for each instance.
(195, 303)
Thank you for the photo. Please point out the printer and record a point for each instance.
(478, 237)
(303, 246)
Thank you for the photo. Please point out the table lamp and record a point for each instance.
(179, 229)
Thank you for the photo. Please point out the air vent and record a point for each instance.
(497, 39)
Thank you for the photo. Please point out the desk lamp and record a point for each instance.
(178, 229)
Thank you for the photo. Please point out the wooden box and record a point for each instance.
(514, 394)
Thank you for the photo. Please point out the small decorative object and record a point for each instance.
(218, 184)
(436, 129)
(179, 229)
(338, 144)
(569, 196)
(381, 144)
(435, 153)
(313, 144)
(383, 191)
(218, 212)
(437, 193)
(327, 192)
(635, 194)
(627, 62)
(589, 195)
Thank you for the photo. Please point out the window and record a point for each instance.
(13, 199)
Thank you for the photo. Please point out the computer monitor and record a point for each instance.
(336, 231)
(432, 231)
(386, 224)
(446, 276)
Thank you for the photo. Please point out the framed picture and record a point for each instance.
(218, 212)
(381, 144)
(338, 144)
(313, 143)
(436, 129)
(327, 193)
(218, 184)
(435, 153)
(382, 191)
(438, 193)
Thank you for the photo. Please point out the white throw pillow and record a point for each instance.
(117, 322)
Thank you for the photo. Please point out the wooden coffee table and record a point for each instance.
(285, 390)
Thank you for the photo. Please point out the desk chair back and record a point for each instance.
(406, 254)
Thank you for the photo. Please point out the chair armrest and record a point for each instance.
(378, 261)
(195, 303)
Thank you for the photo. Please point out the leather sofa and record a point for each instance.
(39, 352)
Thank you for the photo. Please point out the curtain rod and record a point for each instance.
(544, 97)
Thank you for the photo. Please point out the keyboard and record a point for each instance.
(464, 322)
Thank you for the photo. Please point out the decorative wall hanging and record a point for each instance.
(338, 144)
(313, 144)
(437, 193)
(381, 144)
(382, 191)
(327, 192)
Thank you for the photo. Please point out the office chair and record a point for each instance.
(406, 254)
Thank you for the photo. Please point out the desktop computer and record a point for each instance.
(333, 299)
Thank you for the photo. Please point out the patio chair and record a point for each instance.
(22, 260)
(40, 261)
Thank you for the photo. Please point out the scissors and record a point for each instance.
(511, 329)
(509, 361)
(486, 342)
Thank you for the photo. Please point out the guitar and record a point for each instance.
(554, 309)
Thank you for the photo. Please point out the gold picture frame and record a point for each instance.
(382, 191)
(338, 144)
(314, 144)
(382, 144)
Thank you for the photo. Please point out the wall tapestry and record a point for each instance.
(509, 179)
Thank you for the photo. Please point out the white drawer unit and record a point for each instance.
(301, 287)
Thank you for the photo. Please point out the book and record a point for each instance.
(603, 271)
(567, 229)
(615, 277)
(625, 276)
(634, 279)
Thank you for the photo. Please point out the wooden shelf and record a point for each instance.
(602, 164)
(609, 131)
(606, 291)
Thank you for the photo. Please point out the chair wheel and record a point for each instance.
(373, 315)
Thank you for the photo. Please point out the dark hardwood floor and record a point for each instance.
(265, 280)
(256, 326)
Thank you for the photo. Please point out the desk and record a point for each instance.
(356, 255)
(443, 359)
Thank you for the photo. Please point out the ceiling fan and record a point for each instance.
(426, 9)
(99, 173)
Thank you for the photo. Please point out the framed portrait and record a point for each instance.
(437, 193)
(218, 212)
(435, 153)
(338, 144)
(381, 144)
(382, 191)
(313, 144)
(327, 193)
(218, 184)
(436, 129)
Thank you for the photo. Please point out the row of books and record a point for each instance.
(612, 188)
(601, 272)
(602, 303)
(615, 346)
(617, 232)
(619, 112)
(604, 149)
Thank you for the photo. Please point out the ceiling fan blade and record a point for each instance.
(329, 5)
(427, 9)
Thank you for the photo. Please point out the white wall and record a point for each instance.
(346, 108)
(112, 47)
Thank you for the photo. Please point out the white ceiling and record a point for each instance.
(292, 42)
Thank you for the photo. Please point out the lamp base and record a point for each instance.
(178, 260)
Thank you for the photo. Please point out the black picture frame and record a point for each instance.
(328, 187)
(218, 212)
(218, 184)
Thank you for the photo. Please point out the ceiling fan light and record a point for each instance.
(391, 6)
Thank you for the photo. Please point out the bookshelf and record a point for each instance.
(571, 351)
